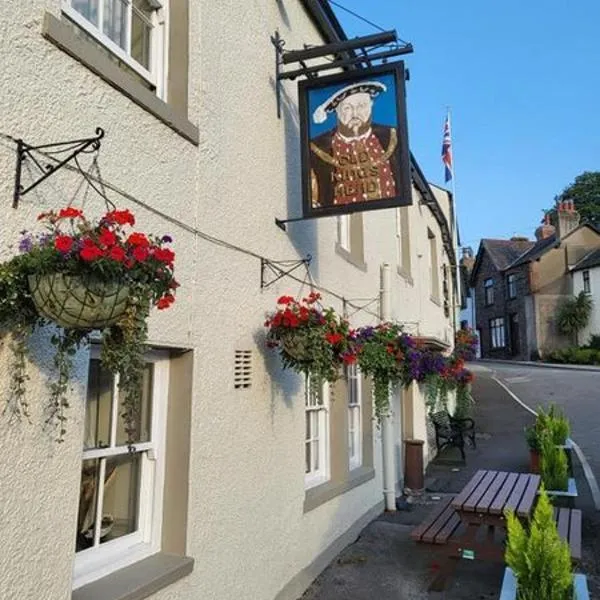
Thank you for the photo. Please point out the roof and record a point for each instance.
(592, 259)
(536, 250)
(505, 252)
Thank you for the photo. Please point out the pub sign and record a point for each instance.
(354, 142)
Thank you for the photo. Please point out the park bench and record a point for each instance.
(450, 431)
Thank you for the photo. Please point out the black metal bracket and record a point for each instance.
(24, 150)
(344, 54)
(279, 269)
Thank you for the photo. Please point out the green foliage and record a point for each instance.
(553, 465)
(585, 191)
(574, 356)
(540, 560)
(574, 314)
(594, 342)
(464, 402)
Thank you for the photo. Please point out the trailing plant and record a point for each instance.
(311, 340)
(553, 465)
(82, 277)
(539, 558)
(465, 344)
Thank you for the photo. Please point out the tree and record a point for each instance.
(585, 191)
(574, 314)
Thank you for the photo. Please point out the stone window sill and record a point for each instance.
(321, 494)
(62, 36)
(349, 257)
(138, 581)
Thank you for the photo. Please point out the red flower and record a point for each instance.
(90, 252)
(277, 319)
(63, 243)
(349, 359)
(70, 213)
(164, 255)
(334, 338)
(140, 253)
(121, 217)
(116, 253)
(165, 302)
(87, 242)
(138, 239)
(389, 349)
(285, 300)
(107, 238)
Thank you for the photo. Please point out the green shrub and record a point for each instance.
(574, 356)
(558, 426)
(553, 465)
(540, 560)
(594, 342)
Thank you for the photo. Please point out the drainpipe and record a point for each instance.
(387, 430)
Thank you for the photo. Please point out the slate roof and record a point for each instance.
(590, 260)
(504, 253)
(536, 250)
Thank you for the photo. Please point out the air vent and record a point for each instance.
(243, 369)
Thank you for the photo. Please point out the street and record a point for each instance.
(576, 392)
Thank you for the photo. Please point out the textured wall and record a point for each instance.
(246, 485)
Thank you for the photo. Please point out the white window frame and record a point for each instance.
(156, 76)
(511, 281)
(93, 563)
(318, 413)
(586, 281)
(497, 333)
(355, 421)
(343, 232)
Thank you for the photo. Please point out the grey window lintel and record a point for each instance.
(61, 35)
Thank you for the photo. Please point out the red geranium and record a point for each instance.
(90, 252)
(107, 238)
(70, 213)
(164, 255)
(334, 338)
(117, 253)
(63, 243)
(140, 253)
(285, 300)
(138, 239)
(120, 217)
(165, 302)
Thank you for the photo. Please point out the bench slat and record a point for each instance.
(479, 491)
(498, 504)
(529, 497)
(468, 489)
(563, 523)
(517, 493)
(430, 535)
(449, 528)
(419, 530)
(488, 498)
(575, 534)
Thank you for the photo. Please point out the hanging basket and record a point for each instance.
(78, 303)
(295, 347)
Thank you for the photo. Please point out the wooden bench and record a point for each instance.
(439, 526)
(569, 528)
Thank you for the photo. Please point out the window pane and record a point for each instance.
(141, 32)
(115, 21)
(307, 457)
(315, 449)
(98, 407)
(143, 425)
(121, 496)
(87, 9)
(88, 498)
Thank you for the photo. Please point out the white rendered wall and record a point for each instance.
(593, 326)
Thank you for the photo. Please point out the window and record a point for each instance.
(586, 282)
(497, 338)
(434, 275)
(132, 30)
(343, 232)
(511, 282)
(120, 503)
(354, 416)
(316, 444)
(403, 240)
(488, 291)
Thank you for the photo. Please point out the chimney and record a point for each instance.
(567, 217)
(545, 230)
(467, 252)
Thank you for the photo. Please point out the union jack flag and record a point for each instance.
(447, 150)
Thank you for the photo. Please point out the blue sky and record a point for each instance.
(522, 80)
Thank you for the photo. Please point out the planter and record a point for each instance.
(295, 346)
(564, 498)
(509, 586)
(78, 303)
(534, 461)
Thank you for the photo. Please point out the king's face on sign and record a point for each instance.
(354, 161)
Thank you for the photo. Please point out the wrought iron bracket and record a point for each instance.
(24, 151)
(346, 54)
(279, 269)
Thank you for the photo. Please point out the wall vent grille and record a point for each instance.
(243, 369)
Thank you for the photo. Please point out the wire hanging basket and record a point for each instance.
(77, 302)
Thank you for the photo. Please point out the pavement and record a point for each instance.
(385, 564)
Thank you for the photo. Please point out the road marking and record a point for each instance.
(522, 379)
(587, 470)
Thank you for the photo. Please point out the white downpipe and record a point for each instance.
(387, 429)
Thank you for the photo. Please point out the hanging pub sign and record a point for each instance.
(355, 153)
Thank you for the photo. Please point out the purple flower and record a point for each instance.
(26, 244)
(166, 239)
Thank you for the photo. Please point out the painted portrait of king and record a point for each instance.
(355, 160)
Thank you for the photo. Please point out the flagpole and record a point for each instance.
(457, 295)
